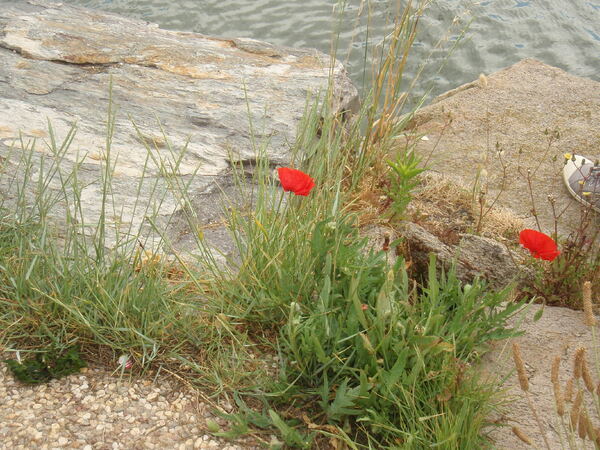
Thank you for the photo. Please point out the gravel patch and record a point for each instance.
(94, 410)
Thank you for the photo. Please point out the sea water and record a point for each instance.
(457, 39)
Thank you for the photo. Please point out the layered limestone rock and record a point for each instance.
(201, 103)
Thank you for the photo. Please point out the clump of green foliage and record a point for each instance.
(375, 351)
(47, 366)
(404, 172)
(365, 355)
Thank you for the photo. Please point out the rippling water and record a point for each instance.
(563, 33)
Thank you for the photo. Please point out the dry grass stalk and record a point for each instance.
(436, 202)
(591, 431)
(522, 375)
(589, 318)
(578, 362)
(555, 369)
(559, 399)
(575, 409)
(582, 425)
(524, 383)
(569, 390)
(521, 435)
(483, 81)
(597, 436)
(587, 377)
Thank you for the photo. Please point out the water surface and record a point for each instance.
(563, 33)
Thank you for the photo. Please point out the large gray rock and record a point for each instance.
(504, 125)
(218, 98)
(473, 256)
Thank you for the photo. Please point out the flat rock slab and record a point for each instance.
(559, 332)
(220, 99)
(504, 124)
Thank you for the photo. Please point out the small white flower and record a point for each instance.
(125, 361)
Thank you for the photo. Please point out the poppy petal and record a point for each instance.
(295, 181)
(539, 244)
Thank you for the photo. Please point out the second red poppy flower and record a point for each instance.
(539, 244)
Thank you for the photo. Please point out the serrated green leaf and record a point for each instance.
(344, 403)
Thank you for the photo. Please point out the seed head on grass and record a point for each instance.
(582, 425)
(559, 399)
(587, 377)
(589, 318)
(569, 390)
(524, 383)
(522, 375)
(521, 435)
(586, 429)
(483, 81)
(578, 362)
(575, 409)
(367, 343)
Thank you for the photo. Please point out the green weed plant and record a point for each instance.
(367, 358)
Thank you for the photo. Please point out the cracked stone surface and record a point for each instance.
(216, 98)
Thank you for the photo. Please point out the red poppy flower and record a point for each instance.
(295, 180)
(539, 244)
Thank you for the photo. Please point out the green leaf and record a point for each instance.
(356, 302)
(392, 376)
(538, 314)
(212, 426)
(344, 403)
(66, 364)
(319, 352)
(291, 436)
(383, 305)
